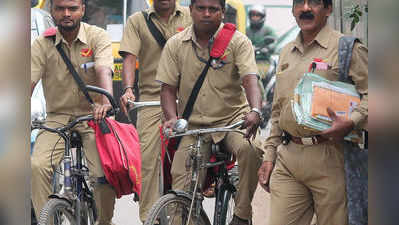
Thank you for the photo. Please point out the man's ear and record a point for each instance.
(84, 9)
(329, 10)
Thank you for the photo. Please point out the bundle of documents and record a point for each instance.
(314, 94)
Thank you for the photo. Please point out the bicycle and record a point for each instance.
(186, 207)
(74, 204)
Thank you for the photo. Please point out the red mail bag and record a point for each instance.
(119, 151)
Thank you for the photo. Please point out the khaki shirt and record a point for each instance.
(295, 59)
(61, 91)
(221, 98)
(138, 40)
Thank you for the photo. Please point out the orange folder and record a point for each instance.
(341, 103)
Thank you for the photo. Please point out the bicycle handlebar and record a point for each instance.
(136, 105)
(230, 128)
(106, 93)
(39, 124)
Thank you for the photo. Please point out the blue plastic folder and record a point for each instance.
(302, 102)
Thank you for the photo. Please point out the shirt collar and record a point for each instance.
(178, 11)
(81, 35)
(322, 39)
(190, 35)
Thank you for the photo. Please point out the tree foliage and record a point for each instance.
(356, 13)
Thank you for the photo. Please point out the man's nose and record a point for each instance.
(306, 6)
(207, 12)
(67, 12)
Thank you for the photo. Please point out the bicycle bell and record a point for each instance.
(180, 126)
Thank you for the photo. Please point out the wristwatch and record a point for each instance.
(257, 111)
(124, 89)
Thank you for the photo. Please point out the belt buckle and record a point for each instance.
(307, 140)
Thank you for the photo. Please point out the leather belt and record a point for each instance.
(314, 140)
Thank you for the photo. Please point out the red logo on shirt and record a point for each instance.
(180, 29)
(86, 52)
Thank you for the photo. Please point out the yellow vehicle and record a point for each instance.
(235, 13)
(38, 3)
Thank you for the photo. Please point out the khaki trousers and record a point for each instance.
(249, 161)
(308, 180)
(49, 150)
(148, 123)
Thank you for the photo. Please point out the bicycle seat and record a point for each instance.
(220, 152)
(76, 139)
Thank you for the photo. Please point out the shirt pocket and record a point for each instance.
(332, 73)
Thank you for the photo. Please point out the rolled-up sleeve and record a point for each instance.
(168, 70)
(245, 57)
(359, 74)
(37, 61)
(103, 50)
(131, 41)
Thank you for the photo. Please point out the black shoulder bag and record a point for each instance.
(356, 159)
(154, 30)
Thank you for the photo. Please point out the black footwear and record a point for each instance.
(238, 221)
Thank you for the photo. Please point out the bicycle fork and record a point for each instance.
(197, 198)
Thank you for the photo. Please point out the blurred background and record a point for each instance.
(382, 42)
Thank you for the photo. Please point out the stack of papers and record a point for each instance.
(314, 94)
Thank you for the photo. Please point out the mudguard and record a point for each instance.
(60, 196)
(186, 195)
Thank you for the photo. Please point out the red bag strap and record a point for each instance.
(222, 40)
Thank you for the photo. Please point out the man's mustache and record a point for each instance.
(306, 15)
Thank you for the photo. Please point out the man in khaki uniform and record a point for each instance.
(308, 177)
(221, 99)
(82, 43)
(138, 43)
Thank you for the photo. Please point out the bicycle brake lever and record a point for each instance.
(235, 125)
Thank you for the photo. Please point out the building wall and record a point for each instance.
(340, 19)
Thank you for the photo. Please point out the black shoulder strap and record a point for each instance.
(75, 74)
(188, 109)
(194, 93)
(345, 48)
(154, 30)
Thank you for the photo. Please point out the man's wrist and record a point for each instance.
(256, 110)
(127, 87)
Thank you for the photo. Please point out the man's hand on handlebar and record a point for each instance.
(168, 125)
(252, 121)
(100, 111)
(127, 96)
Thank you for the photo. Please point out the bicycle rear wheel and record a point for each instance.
(57, 212)
(228, 208)
(224, 210)
(172, 209)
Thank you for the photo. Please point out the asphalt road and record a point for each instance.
(127, 212)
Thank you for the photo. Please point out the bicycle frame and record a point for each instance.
(76, 188)
(197, 163)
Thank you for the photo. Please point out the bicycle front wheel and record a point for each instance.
(172, 209)
(57, 212)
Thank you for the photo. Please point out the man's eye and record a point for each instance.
(201, 8)
(213, 9)
(299, 2)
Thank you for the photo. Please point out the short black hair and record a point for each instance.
(222, 3)
(82, 1)
(327, 3)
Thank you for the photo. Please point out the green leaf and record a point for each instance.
(353, 24)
